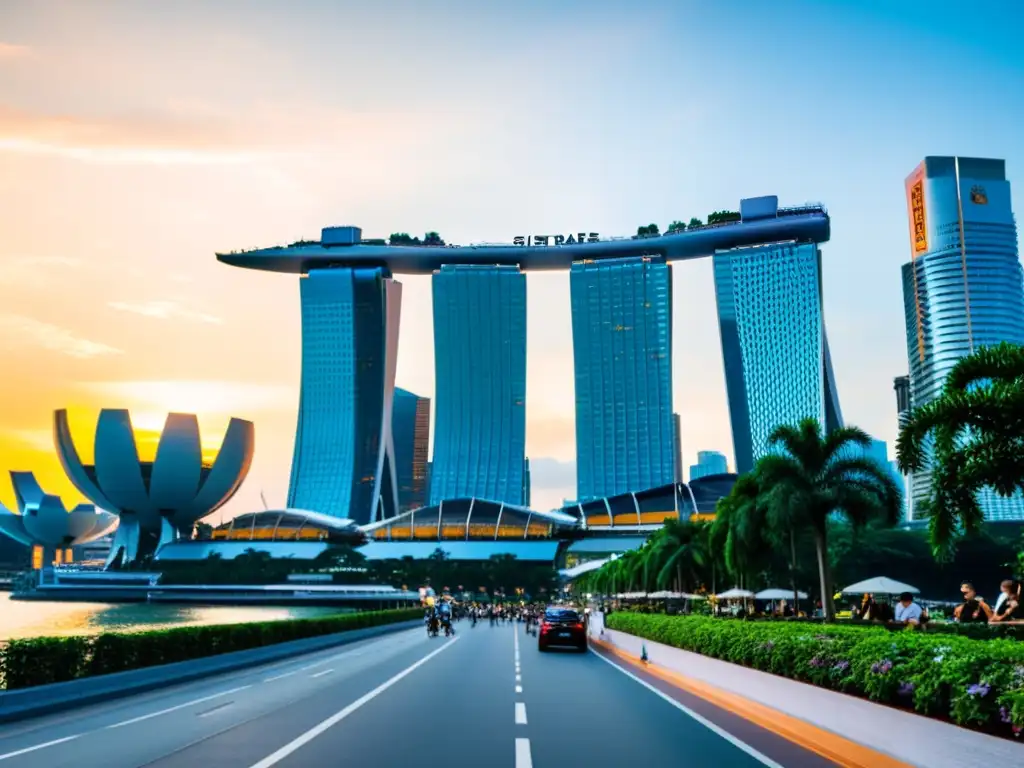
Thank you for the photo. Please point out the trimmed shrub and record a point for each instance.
(42, 660)
(974, 683)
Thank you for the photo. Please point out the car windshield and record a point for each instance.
(561, 614)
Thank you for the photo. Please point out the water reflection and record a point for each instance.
(20, 618)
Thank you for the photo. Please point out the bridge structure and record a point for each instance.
(767, 266)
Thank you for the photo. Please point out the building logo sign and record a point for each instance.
(579, 237)
(978, 195)
(916, 211)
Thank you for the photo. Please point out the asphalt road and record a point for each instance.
(486, 697)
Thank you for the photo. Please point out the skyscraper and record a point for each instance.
(526, 482)
(677, 452)
(777, 364)
(480, 359)
(709, 463)
(963, 287)
(343, 463)
(901, 386)
(622, 350)
(410, 425)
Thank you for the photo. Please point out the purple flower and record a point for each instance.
(1004, 715)
(978, 689)
(906, 689)
(816, 662)
(881, 667)
(842, 666)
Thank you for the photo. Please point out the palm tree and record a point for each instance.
(971, 437)
(816, 475)
(674, 554)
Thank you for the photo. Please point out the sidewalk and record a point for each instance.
(905, 736)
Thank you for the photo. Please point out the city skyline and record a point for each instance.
(112, 299)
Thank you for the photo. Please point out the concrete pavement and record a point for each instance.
(485, 697)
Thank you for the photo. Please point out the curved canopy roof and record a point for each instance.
(808, 223)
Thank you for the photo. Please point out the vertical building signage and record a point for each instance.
(916, 212)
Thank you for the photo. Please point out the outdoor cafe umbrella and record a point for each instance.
(880, 585)
(735, 594)
(778, 594)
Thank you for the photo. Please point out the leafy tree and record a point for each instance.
(720, 217)
(740, 530)
(650, 230)
(676, 226)
(403, 238)
(695, 223)
(432, 238)
(817, 475)
(971, 437)
(203, 531)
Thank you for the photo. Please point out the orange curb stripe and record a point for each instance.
(841, 751)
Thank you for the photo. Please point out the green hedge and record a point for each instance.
(975, 683)
(41, 660)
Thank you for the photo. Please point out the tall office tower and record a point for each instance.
(963, 287)
(901, 386)
(677, 448)
(526, 482)
(343, 464)
(778, 369)
(480, 360)
(410, 426)
(709, 463)
(622, 350)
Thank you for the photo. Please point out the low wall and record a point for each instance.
(45, 699)
(905, 736)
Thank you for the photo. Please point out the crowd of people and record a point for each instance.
(443, 612)
(972, 610)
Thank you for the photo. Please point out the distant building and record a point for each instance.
(677, 453)
(526, 482)
(410, 426)
(622, 353)
(963, 287)
(709, 463)
(778, 369)
(480, 359)
(901, 386)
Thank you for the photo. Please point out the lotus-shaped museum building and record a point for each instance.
(160, 500)
(43, 521)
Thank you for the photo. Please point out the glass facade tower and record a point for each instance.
(709, 463)
(343, 463)
(480, 363)
(410, 426)
(622, 350)
(777, 364)
(962, 288)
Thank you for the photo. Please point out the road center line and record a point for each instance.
(279, 677)
(192, 703)
(519, 678)
(312, 733)
(740, 745)
(520, 713)
(321, 674)
(519, 689)
(523, 757)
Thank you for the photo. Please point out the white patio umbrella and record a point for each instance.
(778, 594)
(880, 585)
(735, 594)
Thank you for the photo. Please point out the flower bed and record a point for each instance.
(974, 683)
(41, 660)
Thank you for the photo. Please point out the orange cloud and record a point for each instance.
(19, 332)
(164, 310)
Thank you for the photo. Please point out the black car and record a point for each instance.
(562, 627)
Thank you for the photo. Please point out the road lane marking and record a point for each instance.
(519, 689)
(44, 745)
(216, 709)
(519, 678)
(192, 703)
(520, 713)
(523, 757)
(740, 745)
(279, 677)
(312, 733)
(321, 674)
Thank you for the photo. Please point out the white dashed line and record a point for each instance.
(45, 744)
(519, 689)
(279, 677)
(140, 718)
(520, 713)
(523, 757)
(321, 674)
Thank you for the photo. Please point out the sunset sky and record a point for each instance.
(136, 139)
